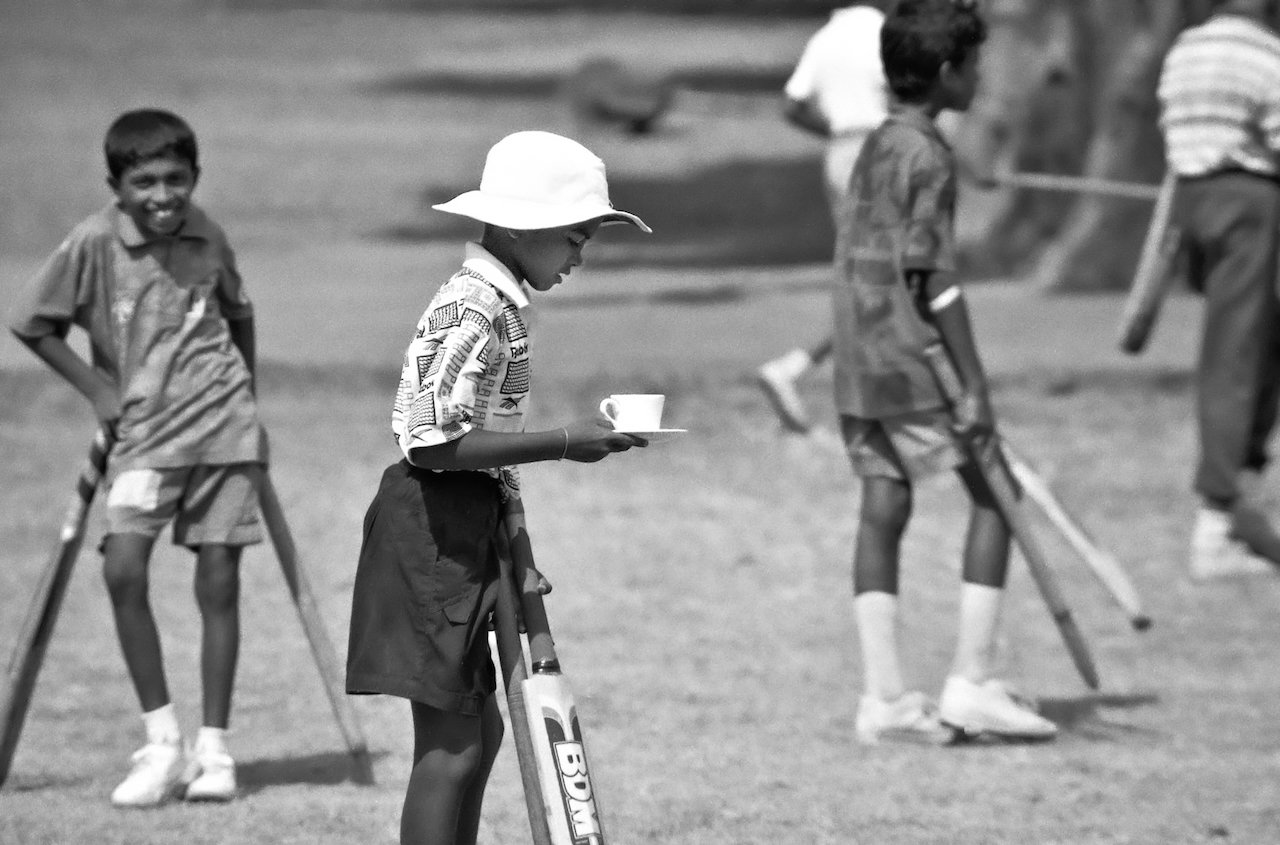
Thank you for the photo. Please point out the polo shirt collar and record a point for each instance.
(197, 225)
(493, 271)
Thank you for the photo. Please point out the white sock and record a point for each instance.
(976, 641)
(212, 740)
(876, 615)
(162, 725)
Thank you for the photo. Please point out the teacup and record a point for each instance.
(634, 411)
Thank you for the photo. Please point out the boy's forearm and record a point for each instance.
(949, 313)
(243, 338)
(803, 114)
(480, 449)
(63, 360)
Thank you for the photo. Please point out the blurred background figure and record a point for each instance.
(604, 92)
(838, 92)
(1221, 121)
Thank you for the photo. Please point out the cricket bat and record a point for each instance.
(1100, 562)
(1154, 275)
(995, 470)
(42, 612)
(304, 600)
(559, 794)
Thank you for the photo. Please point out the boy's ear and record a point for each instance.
(195, 176)
(113, 183)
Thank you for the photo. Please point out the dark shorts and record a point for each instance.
(425, 588)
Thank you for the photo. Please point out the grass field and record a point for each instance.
(702, 604)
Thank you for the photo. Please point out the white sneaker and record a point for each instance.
(912, 717)
(777, 378)
(991, 708)
(156, 776)
(1215, 553)
(212, 776)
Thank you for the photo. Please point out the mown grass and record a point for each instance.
(703, 612)
(702, 604)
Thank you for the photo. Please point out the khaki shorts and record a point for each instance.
(207, 504)
(907, 447)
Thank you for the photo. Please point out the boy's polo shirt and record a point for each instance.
(156, 311)
(899, 216)
(468, 363)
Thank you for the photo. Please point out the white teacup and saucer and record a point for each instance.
(639, 414)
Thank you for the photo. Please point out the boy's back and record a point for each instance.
(899, 216)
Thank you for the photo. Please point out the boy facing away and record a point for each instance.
(153, 283)
(896, 292)
(426, 580)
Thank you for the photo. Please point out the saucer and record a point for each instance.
(656, 436)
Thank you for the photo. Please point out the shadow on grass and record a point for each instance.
(746, 80)
(758, 212)
(1081, 714)
(329, 768)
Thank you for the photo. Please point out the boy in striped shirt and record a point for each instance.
(1219, 95)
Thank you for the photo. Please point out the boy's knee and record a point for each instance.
(217, 578)
(457, 766)
(886, 504)
(124, 566)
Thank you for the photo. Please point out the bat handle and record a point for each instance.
(542, 649)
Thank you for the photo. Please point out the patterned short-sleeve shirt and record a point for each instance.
(899, 216)
(468, 364)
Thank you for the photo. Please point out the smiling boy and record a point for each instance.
(153, 283)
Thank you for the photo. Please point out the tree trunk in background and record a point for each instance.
(1072, 91)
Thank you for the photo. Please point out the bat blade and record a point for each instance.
(1102, 564)
(1154, 274)
(42, 612)
(567, 791)
(322, 650)
(993, 465)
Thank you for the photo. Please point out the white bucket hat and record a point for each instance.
(540, 180)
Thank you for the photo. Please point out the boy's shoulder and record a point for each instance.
(467, 290)
(200, 224)
(908, 132)
(98, 226)
(904, 146)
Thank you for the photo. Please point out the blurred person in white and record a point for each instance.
(838, 92)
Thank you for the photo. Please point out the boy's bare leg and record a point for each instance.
(217, 588)
(491, 730)
(886, 507)
(124, 568)
(986, 566)
(448, 753)
(972, 700)
(778, 378)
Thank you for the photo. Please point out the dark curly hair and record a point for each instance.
(144, 134)
(919, 36)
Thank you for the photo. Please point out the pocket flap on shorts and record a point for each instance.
(460, 610)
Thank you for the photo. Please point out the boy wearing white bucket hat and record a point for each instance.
(425, 584)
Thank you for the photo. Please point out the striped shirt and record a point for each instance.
(468, 364)
(1219, 95)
